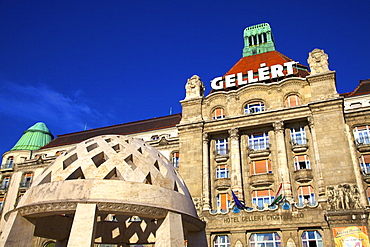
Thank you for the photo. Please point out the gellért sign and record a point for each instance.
(263, 74)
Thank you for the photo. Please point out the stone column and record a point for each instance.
(18, 231)
(236, 173)
(206, 177)
(83, 226)
(283, 168)
(318, 171)
(170, 232)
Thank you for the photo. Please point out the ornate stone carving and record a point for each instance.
(318, 61)
(290, 243)
(310, 121)
(205, 137)
(278, 126)
(194, 88)
(234, 134)
(343, 196)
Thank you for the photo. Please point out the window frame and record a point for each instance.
(306, 238)
(302, 196)
(362, 135)
(222, 171)
(258, 199)
(259, 141)
(297, 162)
(298, 137)
(297, 100)
(267, 167)
(175, 157)
(364, 161)
(218, 113)
(222, 241)
(223, 202)
(258, 239)
(254, 107)
(221, 146)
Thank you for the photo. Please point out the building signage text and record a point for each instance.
(264, 72)
(268, 217)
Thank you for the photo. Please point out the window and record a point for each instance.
(223, 202)
(218, 113)
(222, 171)
(27, 180)
(311, 239)
(5, 183)
(258, 141)
(365, 164)
(298, 136)
(221, 147)
(306, 195)
(368, 194)
(1, 203)
(254, 107)
(271, 239)
(9, 162)
(175, 159)
(301, 162)
(221, 241)
(292, 100)
(262, 198)
(260, 166)
(154, 138)
(362, 135)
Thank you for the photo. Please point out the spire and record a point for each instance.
(258, 39)
(34, 138)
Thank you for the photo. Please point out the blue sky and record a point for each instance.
(73, 64)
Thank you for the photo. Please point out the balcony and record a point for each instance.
(261, 180)
(259, 153)
(300, 146)
(363, 145)
(222, 183)
(7, 166)
(221, 155)
(303, 175)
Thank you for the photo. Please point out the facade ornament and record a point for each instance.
(310, 121)
(343, 196)
(205, 137)
(194, 88)
(318, 61)
(290, 243)
(278, 126)
(234, 134)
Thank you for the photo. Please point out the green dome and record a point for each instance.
(34, 138)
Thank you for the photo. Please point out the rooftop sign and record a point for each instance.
(264, 73)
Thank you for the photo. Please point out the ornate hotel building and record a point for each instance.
(272, 156)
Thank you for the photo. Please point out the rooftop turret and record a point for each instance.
(258, 39)
(34, 138)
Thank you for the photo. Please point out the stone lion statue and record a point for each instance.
(194, 87)
(318, 61)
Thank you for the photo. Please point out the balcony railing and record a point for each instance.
(363, 141)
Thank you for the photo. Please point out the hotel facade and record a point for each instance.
(272, 156)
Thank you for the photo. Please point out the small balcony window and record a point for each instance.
(301, 162)
(222, 171)
(262, 198)
(362, 135)
(306, 195)
(258, 141)
(221, 147)
(298, 136)
(365, 164)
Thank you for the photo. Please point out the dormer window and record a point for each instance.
(218, 113)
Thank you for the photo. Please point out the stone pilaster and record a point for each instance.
(170, 233)
(282, 163)
(206, 178)
(84, 226)
(236, 173)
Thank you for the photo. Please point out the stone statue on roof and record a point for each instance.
(194, 88)
(318, 61)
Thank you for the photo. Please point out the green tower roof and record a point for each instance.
(34, 138)
(258, 39)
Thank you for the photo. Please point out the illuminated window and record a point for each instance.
(365, 164)
(262, 198)
(301, 162)
(292, 100)
(222, 171)
(26, 181)
(175, 159)
(218, 113)
(221, 241)
(260, 166)
(258, 141)
(298, 136)
(254, 107)
(221, 146)
(223, 202)
(271, 239)
(311, 239)
(362, 135)
(306, 195)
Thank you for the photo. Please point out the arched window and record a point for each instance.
(311, 239)
(218, 113)
(254, 107)
(301, 162)
(292, 100)
(262, 198)
(306, 195)
(265, 239)
(221, 241)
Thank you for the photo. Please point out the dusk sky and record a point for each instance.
(87, 64)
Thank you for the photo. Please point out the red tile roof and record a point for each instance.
(363, 88)
(120, 129)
